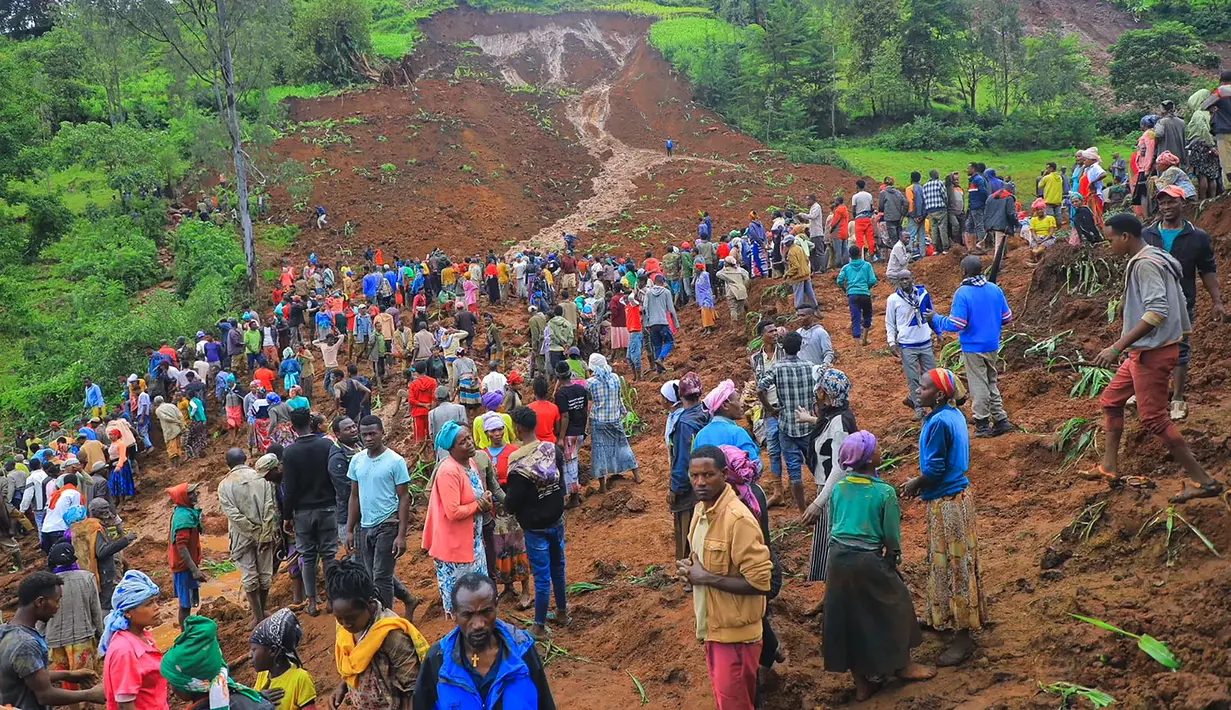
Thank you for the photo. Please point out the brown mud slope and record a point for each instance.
(602, 102)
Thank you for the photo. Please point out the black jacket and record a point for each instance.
(1192, 248)
(536, 509)
(306, 484)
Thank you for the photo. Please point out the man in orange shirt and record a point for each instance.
(547, 411)
(265, 376)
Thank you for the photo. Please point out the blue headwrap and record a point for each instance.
(75, 514)
(448, 435)
(134, 589)
(273, 398)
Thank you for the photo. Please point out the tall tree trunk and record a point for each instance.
(237, 146)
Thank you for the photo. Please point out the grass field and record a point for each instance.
(879, 162)
(79, 188)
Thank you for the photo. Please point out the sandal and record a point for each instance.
(1210, 490)
(1139, 482)
(1098, 473)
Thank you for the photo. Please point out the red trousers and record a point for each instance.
(733, 673)
(865, 234)
(420, 427)
(1147, 374)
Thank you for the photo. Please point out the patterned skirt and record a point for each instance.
(74, 656)
(1203, 158)
(954, 598)
(468, 394)
(262, 434)
(195, 439)
(512, 563)
(609, 449)
(284, 434)
(447, 573)
(819, 559)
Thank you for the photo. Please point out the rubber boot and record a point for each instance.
(983, 428)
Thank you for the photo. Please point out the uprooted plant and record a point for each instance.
(1083, 525)
(1091, 381)
(1074, 439)
(1168, 517)
(1151, 646)
(1069, 691)
(633, 423)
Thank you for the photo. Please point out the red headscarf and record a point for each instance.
(179, 495)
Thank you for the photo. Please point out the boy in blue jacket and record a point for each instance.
(858, 278)
(484, 662)
(979, 311)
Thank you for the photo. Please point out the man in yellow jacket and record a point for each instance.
(729, 572)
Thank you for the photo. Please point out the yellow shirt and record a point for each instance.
(1053, 188)
(296, 683)
(1043, 227)
(548, 277)
(448, 276)
(502, 271)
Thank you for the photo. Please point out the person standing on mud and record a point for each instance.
(658, 306)
(729, 579)
(251, 507)
(791, 378)
(979, 312)
(1155, 323)
(1192, 248)
(378, 518)
(689, 420)
(954, 593)
(309, 502)
(670, 147)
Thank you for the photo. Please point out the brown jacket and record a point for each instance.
(733, 546)
(798, 269)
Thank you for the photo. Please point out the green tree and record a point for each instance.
(1054, 68)
(19, 116)
(871, 22)
(113, 249)
(132, 158)
(1146, 64)
(332, 40)
(1000, 21)
(47, 220)
(928, 41)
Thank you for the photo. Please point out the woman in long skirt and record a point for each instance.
(198, 434)
(511, 564)
(870, 624)
(120, 482)
(609, 449)
(830, 426)
(453, 531)
(954, 593)
(705, 299)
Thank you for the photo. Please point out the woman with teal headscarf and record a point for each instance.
(452, 533)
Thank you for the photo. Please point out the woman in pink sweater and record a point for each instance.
(453, 534)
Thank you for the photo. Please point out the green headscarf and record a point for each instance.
(194, 664)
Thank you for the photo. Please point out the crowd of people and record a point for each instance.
(501, 451)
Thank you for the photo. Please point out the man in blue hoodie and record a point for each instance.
(979, 312)
(484, 662)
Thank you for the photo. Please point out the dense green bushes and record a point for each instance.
(331, 38)
(113, 249)
(202, 250)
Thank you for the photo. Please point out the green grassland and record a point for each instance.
(879, 162)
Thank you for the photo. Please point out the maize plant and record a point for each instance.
(1068, 691)
(1151, 646)
(1091, 381)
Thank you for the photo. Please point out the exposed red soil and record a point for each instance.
(1033, 579)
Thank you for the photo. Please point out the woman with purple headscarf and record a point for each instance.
(870, 624)
(491, 405)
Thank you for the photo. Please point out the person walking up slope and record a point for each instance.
(979, 312)
(858, 278)
(1155, 321)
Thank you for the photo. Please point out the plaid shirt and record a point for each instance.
(796, 388)
(933, 196)
(606, 395)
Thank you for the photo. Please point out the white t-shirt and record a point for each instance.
(494, 382)
(178, 375)
(861, 202)
(201, 367)
(53, 521)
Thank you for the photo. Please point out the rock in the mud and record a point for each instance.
(1052, 575)
(636, 504)
(616, 499)
(1053, 558)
